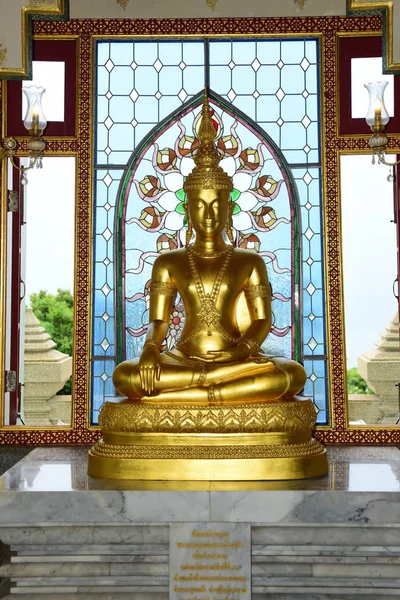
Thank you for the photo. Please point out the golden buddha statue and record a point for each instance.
(216, 370)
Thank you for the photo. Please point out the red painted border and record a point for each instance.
(359, 47)
(52, 50)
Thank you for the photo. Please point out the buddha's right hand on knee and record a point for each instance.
(149, 368)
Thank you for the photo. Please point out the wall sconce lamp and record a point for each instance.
(377, 118)
(35, 122)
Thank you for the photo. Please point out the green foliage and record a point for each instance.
(356, 384)
(56, 314)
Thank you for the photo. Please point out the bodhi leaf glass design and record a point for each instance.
(274, 83)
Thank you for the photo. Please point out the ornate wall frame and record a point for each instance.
(35, 9)
(328, 29)
(389, 15)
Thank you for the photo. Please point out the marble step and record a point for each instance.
(325, 536)
(325, 570)
(73, 568)
(17, 535)
(322, 595)
(93, 591)
(88, 558)
(328, 550)
(91, 549)
(325, 582)
(342, 557)
(289, 594)
(54, 594)
(293, 593)
(97, 581)
(87, 569)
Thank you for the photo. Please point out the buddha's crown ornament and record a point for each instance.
(207, 174)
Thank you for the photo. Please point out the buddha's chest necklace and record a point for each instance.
(209, 313)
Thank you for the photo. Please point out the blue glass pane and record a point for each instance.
(293, 136)
(120, 109)
(145, 53)
(193, 53)
(269, 80)
(220, 53)
(243, 80)
(102, 109)
(142, 82)
(292, 52)
(311, 51)
(316, 388)
(267, 109)
(221, 80)
(193, 80)
(243, 53)
(312, 79)
(103, 81)
(293, 108)
(292, 79)
(146, 80)
(171, 53)
(281, 70)
(103, 52)
(268, 51)
(121, 53)
(171, 81)
(121, 80)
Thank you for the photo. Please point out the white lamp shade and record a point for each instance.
(34, 111)
(377, 108)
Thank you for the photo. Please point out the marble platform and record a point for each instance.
(74, 538)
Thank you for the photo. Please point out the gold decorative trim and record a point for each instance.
(208, 462)
(40, 8)
(198, 439)
(290, 416)
(3, 54)
(387, 8)
(205, 452)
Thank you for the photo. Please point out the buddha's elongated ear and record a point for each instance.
(228, 227)
(189, 231)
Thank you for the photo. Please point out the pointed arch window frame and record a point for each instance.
(123, 196)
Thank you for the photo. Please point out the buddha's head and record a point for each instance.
(208, 187)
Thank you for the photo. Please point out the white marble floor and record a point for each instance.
(351, 469)
(75, 538)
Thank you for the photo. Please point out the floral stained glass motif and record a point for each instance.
(264, 220)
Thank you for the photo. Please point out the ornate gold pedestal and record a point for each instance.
(213, 443)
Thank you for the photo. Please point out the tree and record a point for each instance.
(356, 384)
(56, 315)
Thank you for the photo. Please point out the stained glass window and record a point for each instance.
(265, 102)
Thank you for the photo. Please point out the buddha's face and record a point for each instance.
(208, 211)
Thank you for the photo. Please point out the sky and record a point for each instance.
(369, 252)
(50, 224)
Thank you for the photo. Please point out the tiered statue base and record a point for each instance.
(214, 443)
